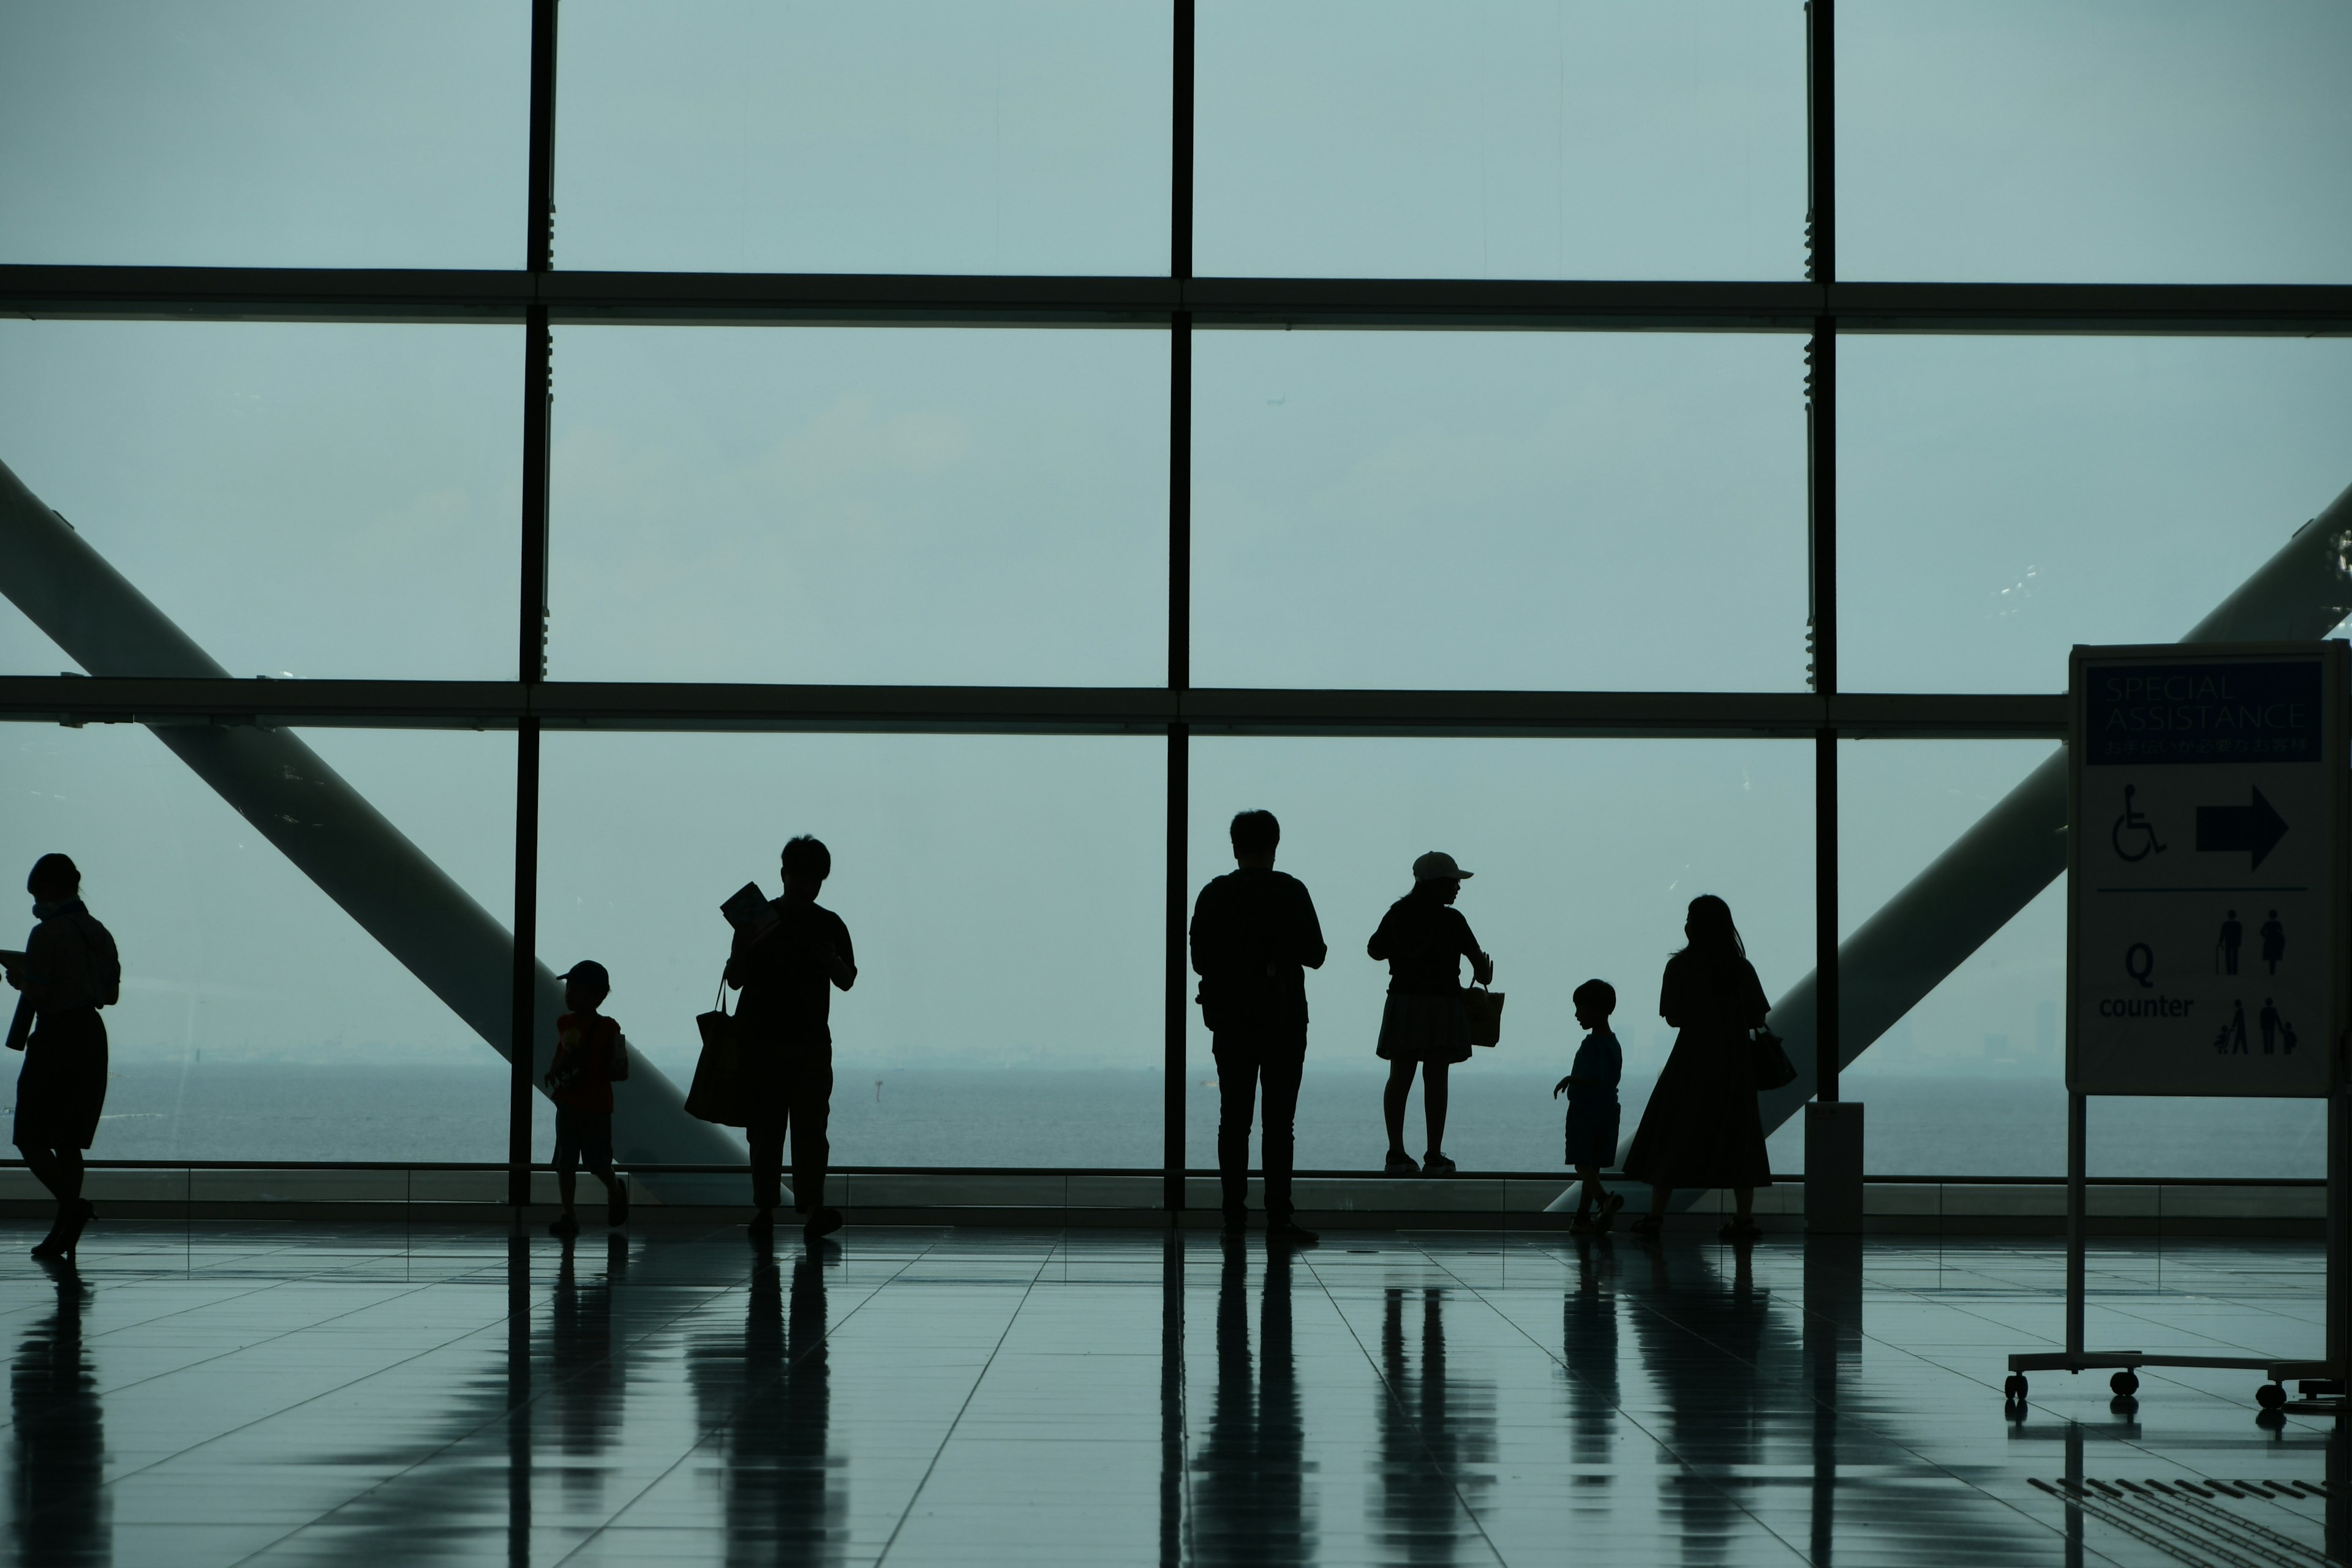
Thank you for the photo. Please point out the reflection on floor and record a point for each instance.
(241, 1394)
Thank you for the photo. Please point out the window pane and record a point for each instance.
(891, 136)
(1587, 854)
(311, 501)
(1972, 1080)
(258, 1021)
(2001, 500)
(836, 505)
(1574, 510)
(1346, 139)
(2046, 140)
(1003, 893)
(265, 133)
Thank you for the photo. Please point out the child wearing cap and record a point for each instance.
(591, 1056)
(1592, 1089)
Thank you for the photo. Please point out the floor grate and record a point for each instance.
(2208, 1523)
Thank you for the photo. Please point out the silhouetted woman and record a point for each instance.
(1701, 1127)
(67, 972)
(1424, 940)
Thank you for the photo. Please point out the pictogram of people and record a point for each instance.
(2232, 1041)
(2225, 947)
(2270, 1020)
(2274, 943)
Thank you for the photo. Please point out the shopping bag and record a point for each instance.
(716, 1094)
(1485, 1010)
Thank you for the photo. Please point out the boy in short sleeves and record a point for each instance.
(1592, 1089)
(590, 1057)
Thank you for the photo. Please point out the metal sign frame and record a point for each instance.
(2323, 1381)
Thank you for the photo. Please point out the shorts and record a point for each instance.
(584, 1138)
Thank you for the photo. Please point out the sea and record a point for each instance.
(454, 1109)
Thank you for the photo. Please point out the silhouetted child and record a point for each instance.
(591, 1056)
(1592, 1089)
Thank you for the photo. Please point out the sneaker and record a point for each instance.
(1235, 1221)
(1583, 1224)
(762, 1224)
(1436, 1165)
(1290, 1232)
(1607, 1218)
(616, 1208)
(825, 1222)
(566, 1225)
(1400, 1163)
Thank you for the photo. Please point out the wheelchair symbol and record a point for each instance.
(2133, 828)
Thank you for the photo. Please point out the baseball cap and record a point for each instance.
(589, 970)
(1437, 865)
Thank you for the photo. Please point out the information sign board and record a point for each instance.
(2205, 856)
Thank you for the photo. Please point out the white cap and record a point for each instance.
(1437, 865)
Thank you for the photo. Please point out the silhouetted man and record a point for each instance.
(2233, 936)
(787, 970)
(1254, 936)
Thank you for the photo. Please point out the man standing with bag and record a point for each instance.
(1254, 936)
(786, 969)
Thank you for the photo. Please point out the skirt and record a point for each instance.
(62, 1087)
(1416, 1027)
(1701, 1127)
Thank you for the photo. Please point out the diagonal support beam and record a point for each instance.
(327, 828)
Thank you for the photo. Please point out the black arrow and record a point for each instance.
(2256, 827)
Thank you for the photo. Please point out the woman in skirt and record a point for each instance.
(1701, 1127)
(1424, 939)
(68, 971)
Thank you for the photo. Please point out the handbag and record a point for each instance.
(1769, 1062)
(1483, 1010)
(716, 1094)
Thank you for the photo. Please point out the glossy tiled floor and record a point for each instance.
(274, 1395)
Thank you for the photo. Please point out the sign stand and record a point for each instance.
(2202, 779)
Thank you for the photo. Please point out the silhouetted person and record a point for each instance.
(787, 972)
(1254, 936)
(1424, 939)
(2235, 1032)
(1592, 1089)
(2270, 1021)
(591, 1056)
(2274, 943)
(1701, 1127)
(68, 969)
(1249, 1483)
(2226, 945)
(58, 1439)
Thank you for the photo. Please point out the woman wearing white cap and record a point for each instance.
(1424, 939)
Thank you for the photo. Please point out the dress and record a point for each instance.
(1424, 943)
(72, 966)
(1701, 1127)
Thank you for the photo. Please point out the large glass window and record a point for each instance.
(265, 133)
(888, 136)
(305, 500)
(878, 505)
(259, 1020)
(2003, 499)
(1575, 511)
(1003, 893)
(2062, 140)
(1517, 140)
(1587, 854)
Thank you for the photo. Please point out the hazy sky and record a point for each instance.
(1570, 510)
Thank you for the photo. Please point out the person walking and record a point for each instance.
(68, 969)
(1423, 940)
(787, 968)
(1254, 936)
(1701, 1127)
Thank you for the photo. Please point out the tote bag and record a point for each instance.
(1484, 1011)
(717, 1091)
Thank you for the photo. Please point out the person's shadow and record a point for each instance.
(770, 1394)
(57, 1452)
(1436, 1437)
(1249, 1479)
(1702, 1338)
(1588, 1338)
(588, 1382)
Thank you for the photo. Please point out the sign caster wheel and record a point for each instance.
(2013, 1391)
(2125, 1384)
(2271, 1396)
